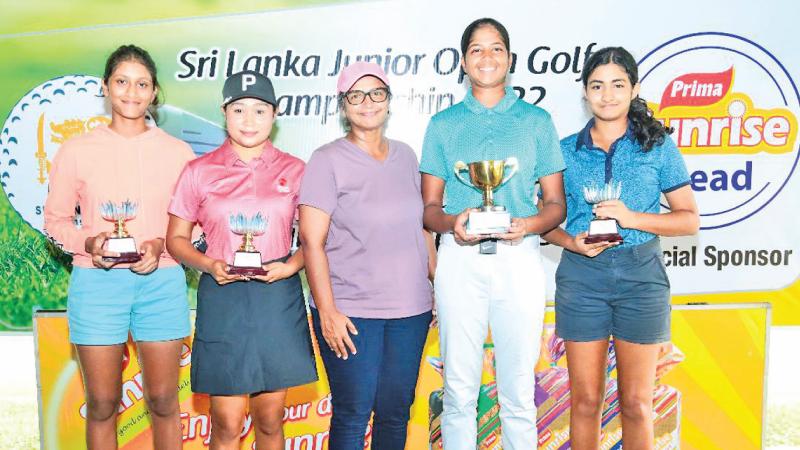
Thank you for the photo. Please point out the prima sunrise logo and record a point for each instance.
(734, 109)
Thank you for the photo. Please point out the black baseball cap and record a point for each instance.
(248, 84)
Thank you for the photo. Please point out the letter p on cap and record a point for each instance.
(248, 80)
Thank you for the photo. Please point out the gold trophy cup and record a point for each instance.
(487, 176)
(247, 260)
(602, 229)
(120, 241)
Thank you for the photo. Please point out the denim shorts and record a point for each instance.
(623, 292)
(103, 305)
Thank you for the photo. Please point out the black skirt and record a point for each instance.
(251, 337)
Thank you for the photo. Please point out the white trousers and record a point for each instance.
(474, 292)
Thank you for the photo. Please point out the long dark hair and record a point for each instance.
(133, 53)
(648, 131)
(484, 22)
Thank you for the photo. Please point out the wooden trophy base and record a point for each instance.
(128, 257)
(595, 238)
(603, 230)
(246, 271)
(126, 247)
(247, 264)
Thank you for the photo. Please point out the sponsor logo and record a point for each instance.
(734, 109)
(39, 123)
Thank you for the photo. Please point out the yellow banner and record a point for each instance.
(709, 394)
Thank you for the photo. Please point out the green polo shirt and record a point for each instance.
(469, 131)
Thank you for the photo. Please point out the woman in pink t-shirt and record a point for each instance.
(109, 297)
(252, 339)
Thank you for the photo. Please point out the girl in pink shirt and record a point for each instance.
(124, 161)
(252, 340)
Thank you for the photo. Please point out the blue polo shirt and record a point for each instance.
(644, 176)
(469, 131)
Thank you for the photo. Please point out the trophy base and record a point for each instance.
(127, 257)
(246, 271)
(247, 263)
(488, 222)
(125, 246)
(603, 230)
(595, 238)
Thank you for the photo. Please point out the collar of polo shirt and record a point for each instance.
(476, 107)
(231, 156)
(585, 136)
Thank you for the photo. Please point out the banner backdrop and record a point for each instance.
(709, 394)
(721, 74)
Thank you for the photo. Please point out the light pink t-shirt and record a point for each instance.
(102, 166)
(219, 184)
(376, 249)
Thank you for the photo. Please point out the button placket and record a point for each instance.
(490, 128)
(253, 184)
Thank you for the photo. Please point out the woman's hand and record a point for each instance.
(590, 250)
(151, 254)
(94, 247)
(336, 329)
(219, 270)
(615, 209)
(460, 229)
(275, 271)
(515, 233)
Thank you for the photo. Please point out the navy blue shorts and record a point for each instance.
(622, 292)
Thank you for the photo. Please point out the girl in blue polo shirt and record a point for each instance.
(610, 288)
(503, 289)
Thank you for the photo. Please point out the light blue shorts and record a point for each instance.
(103, 305)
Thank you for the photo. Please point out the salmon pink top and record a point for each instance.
(219, 184)
(102, 166)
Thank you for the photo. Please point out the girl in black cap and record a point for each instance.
(252, 338)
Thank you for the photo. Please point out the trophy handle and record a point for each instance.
(459, 167)
(511, 167)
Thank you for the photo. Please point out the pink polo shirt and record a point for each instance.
(102, 166)
(219, 184)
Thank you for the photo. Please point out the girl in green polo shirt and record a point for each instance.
(502, 288)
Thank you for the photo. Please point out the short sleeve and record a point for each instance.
(413, 165)
(296, 193)
(186, 199)
(318, 188)
(432, 161)
(673, 173)
(548, 149)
